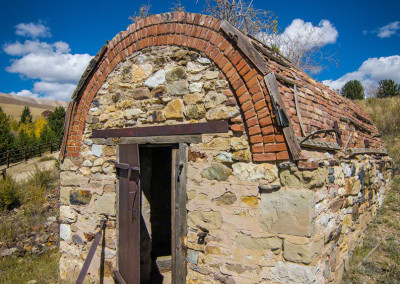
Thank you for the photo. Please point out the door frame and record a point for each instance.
(178, 206)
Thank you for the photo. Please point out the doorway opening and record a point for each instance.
(156, 213)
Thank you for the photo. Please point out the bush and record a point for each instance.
(8, 194)
(42, 178)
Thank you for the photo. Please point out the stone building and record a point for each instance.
(213, 160)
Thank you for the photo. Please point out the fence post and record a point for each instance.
(8, 158)
(25, 155)
(51, 148)
(40, 151)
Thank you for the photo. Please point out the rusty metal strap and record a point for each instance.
(90, 255)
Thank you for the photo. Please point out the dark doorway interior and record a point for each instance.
(155, 239)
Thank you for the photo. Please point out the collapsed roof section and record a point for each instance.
(284, 109)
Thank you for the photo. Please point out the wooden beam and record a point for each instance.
(221, 126)
(272, 86)
(238, 39)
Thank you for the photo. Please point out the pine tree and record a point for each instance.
(26, 116)
(56, 122)
(388, 88)
(6, 137)
(353, 90)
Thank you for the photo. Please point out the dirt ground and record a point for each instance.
(22, 170)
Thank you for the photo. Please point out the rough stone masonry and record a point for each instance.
(266, 222)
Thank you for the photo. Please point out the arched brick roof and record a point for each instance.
(204, 34)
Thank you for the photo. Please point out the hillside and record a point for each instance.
(13, 105)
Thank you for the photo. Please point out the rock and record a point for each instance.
(302, 253)
(140, 72)
(224, 157)
(195, 87)
(195, 67)
(258, 243)
(195, 111)
(175, 74)
(239, 144)
(141, 94)
(222, 112)
(155, 116)
(228, 198)
(174, 109)
(191, 99)
(87, 163)
(192, 257)
(178, 88)
(210, 220)
(80, 197)
(97, 150)
(242, 156)
(219, 143)
(204, 61)
(132, 113)
(8, 252)
(65, 232)
(288, 212)
(64, 195)
(209, 75)
(105, 204)
(67, 214)
(251, 201)
(217, 172)
(88, 142)
(213, 99)
(72, 179)
(290, 273)
(77, 240)
(156, 79)
(253, 172)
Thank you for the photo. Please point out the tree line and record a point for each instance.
(16, 134)
(354, 90)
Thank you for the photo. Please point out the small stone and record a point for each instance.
(204, 60)
(251, 201)
(156, 116)
(132, 113)
(192, 257)
(195, 111)
(141, 94)
(80, 197)
(210, 220)
(175, 74)
(191, 99)
(239, 144)
(88, 142)
(222, 112)
(303, 253)
(242, 156)
(156, 79)
(195, 68)
(209, 75)
(87, 163)
(98, 162)
(217, 172)
(140, 72)
(228, 198)
(97, 150)
(213, 99)
(195, 87)
(174, 109)
(65, 232)
(224, 157)
(77, 240)
(105, 204)
(258, 243)
(178, 88)
(291, 273)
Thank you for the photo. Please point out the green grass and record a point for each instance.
(43, 269)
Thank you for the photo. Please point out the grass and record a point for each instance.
(37, 199)
(383, 266)
(43, 269)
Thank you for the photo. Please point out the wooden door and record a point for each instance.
(179, 214)
(128, 169)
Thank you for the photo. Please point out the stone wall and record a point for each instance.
(263, 222)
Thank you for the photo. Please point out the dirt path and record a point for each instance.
(21, 171)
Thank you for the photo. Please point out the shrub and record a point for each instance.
(8, 194)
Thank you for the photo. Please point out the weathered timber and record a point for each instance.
(360, 151)
(238, 39)
(363, 118)
(288, 131)
(296, 102)
(270, 55)
(221, 126)
(164, 263)
(162, 139)
(356, 124)
(67, 123)
(318, 144)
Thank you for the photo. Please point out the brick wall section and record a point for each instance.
(201, 33)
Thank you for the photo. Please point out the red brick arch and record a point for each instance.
(201, 33)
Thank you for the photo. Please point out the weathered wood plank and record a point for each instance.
(318, 145)
(240, 40)
(360, 151)
(162, 139)
(289, 133)
(296, 102)
(221, 126)
(67, 122)
(356, 124)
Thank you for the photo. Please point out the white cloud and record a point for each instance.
(32, 30)
(25, 93)
(371, 72)
(388, 30)
(53, 64)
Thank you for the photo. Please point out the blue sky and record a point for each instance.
(45, 45)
